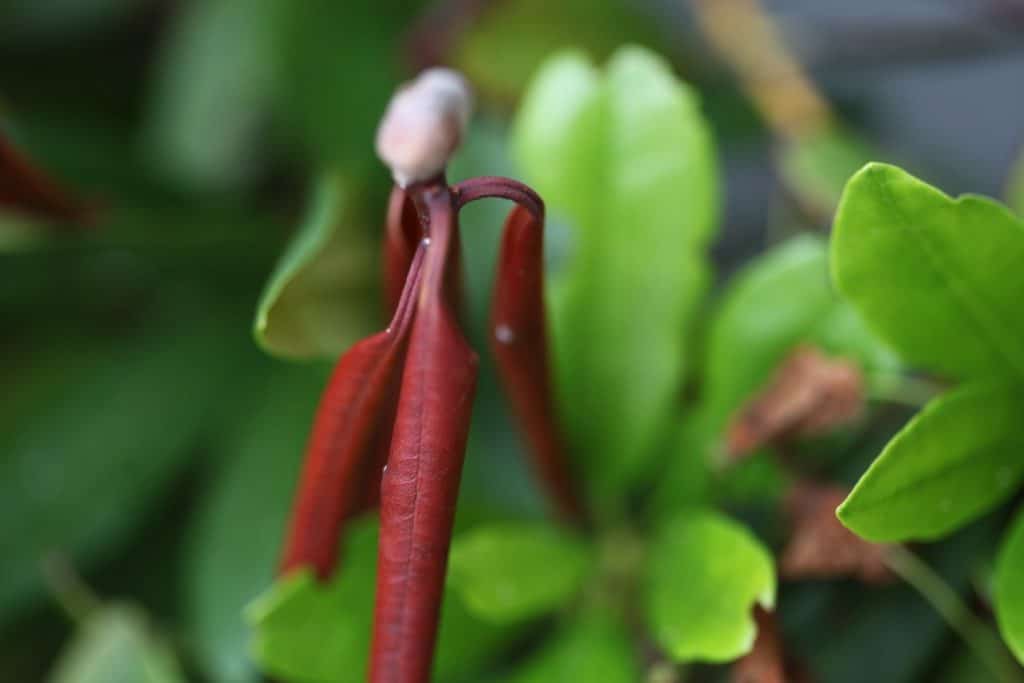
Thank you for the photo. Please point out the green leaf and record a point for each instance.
(320, 633)
(115, 644)
(95, 456)
(957, 459)
(318, 301)
(249, 497)
(939, 278)
(515, 571)
(816, 166)
(626, 158)
(1009, 588)
(216, 67)
(596, 650)
(707, 573)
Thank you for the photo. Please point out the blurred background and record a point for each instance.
(148, 447)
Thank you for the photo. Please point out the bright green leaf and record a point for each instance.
(939, 278)
(957, 459)
(249, 498)
(88, 464)
(596, 650)
(115, 644)
(707, 573)
(1009, 588)
(320, 633)
(511, 572)
(626, 158)
(318, 301)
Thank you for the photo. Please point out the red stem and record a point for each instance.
(519, 336)
(420, 485)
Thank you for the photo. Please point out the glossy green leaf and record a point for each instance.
(782, 299)
(511, 572)
(1009, 588)
(957, 459)
(115, 644)
(319, 299)
(706, 575)
(939, 278)
(626, 158)
(815, 167)
(249, 497)
(320, 633)
(95, 455)
(596, 649)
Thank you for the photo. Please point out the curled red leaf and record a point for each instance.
(519, 336)
(351, 433)
(420, 484)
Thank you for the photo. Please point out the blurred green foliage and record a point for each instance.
(146, 439)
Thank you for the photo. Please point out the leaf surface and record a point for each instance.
(955, 460)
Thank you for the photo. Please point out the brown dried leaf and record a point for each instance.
(820, 547)
(809, 395)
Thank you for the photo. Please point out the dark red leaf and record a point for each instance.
(26, 188)
(767, 661)
(351, 435)
(519, 336)
(421, 480)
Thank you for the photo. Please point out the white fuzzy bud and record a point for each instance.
(423, 125)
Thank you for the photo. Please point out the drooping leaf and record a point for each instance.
(939, 278)
(1009, 588)
(88, 463)
(596, 649)
(958, 458)
(511, 572)
(625, 157)
(319, 299)
(706, 575)
(116, 644)
(320, 633)
(248, 499)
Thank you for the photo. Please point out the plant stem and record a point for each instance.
(72, 594)
(976, 634)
